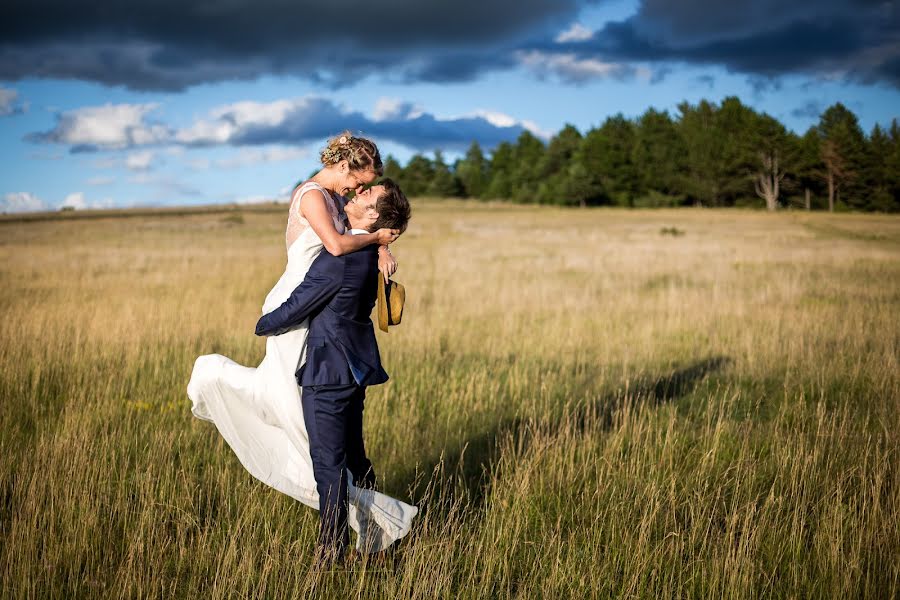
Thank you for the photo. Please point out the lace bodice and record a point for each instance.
(297, 225)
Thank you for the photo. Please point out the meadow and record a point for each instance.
(595, 403)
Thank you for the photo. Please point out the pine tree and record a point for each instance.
(719, 151)
(808, 167)
(880, 179)
(585, 177)
(606, 155)
(501, 170)
(443, 183)
(417, 176)
(715, 155)
(555, 186)
(528, 153)
(472, 172)
(892, 165)
(704, 145)
(842, 146)
(393, 169)
(658, 156)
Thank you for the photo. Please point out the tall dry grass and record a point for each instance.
(582, 404)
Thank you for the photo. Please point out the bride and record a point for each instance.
(258, 411)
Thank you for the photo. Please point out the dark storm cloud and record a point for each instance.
(768, 38)
(169, 44)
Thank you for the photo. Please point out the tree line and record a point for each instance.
(705, 155)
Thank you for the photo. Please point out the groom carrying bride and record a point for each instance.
(337, 296)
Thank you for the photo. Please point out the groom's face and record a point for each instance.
(361, 210)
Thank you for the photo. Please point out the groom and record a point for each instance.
(342, 359)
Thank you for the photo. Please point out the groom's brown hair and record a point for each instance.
(392, 207)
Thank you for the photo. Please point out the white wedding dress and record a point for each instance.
(259, 414)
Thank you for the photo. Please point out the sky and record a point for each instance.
(165, 102)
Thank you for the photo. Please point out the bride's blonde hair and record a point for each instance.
(360, 153)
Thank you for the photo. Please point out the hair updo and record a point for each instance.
(360, 153)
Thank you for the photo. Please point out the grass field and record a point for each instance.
(583, 403)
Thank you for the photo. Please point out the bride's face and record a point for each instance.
(362, 208)
(356, 180)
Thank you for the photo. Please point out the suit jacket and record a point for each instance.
(337, 295)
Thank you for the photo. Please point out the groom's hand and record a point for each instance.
(385, 236)
(263, 328)
(387, 264)
(321, 283)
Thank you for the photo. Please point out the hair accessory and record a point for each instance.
(343, 140)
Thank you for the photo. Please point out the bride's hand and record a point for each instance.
(387, 264)
(386, 236)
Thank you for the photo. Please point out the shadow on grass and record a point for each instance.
(463, 472)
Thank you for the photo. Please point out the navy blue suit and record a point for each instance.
(337, 295)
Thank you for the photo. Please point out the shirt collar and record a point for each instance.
(358, 231)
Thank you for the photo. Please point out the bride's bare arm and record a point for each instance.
(314, 210)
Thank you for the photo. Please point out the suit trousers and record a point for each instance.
(333, 415)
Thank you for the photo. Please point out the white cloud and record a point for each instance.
(500, 119)
(576, 33)
(107, 127)
(209, 133)
(134, 161)
(139, 161)
(77, 201)
(495, 118)
(231, 119)
(387, 109)
(21, 202)
(7, 100)
(9, 104)
(101, 180)
(287, 123)
(299, 120)
(571, 69)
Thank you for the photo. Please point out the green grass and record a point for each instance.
(579, 405)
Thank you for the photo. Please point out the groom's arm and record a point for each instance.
(322, 282)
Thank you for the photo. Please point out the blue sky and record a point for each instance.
(163, 104)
